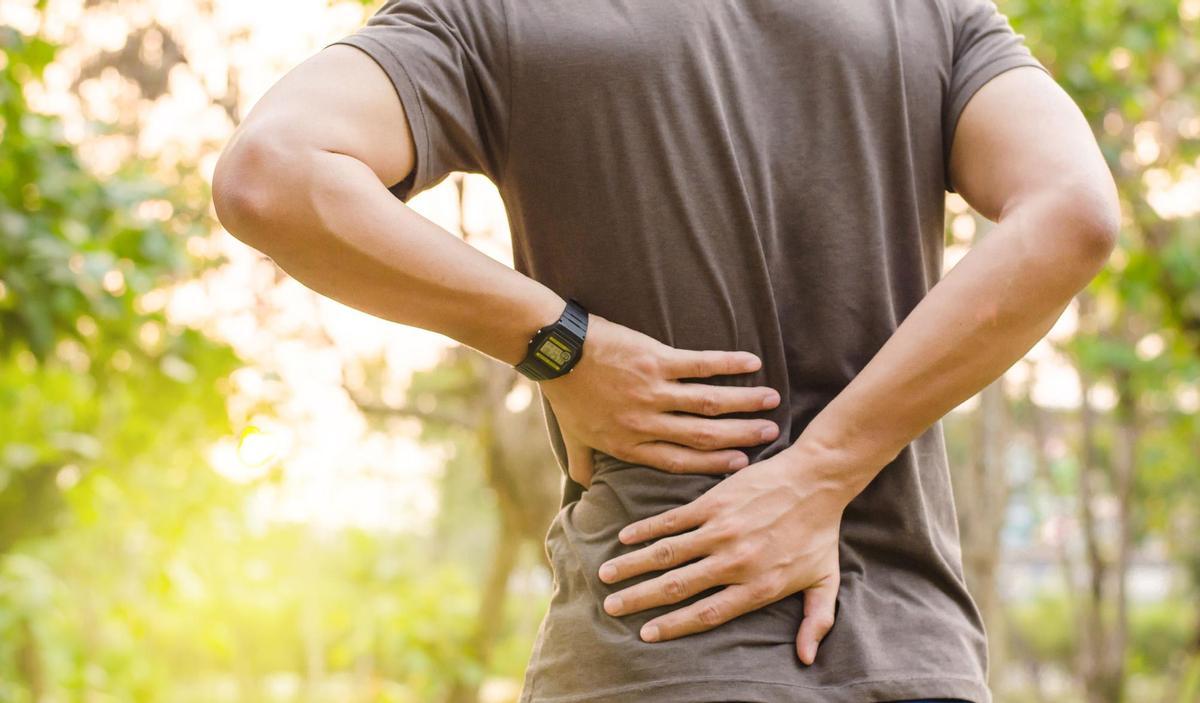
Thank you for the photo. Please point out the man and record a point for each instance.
(763, 177)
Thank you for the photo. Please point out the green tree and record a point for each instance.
(1132, 67)
(105, 405)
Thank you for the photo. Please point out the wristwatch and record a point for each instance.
(556, 348)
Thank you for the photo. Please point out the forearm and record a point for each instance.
(972, 326)
(327, 220)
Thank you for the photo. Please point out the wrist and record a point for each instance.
(834, 464)
(538, 312)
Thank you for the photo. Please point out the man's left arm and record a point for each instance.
(1024, 156)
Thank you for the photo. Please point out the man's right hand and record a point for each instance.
(624, 398)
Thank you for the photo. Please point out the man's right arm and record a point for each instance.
(304, 180)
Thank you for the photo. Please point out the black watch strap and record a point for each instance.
(556, 348)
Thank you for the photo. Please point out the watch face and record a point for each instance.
(554, 352)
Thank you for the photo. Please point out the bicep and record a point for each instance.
(339, 100)
(1021, 137)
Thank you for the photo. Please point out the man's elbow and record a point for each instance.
(249, 187)
(1089, 217)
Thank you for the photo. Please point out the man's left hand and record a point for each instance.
(765, 532)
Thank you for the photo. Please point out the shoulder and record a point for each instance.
(469, 17)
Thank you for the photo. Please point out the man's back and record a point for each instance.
(767, 176)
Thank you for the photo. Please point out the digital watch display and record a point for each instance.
(556, 348)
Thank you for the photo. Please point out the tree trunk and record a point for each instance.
(1124, 474)
(1104, 622)
(982, 492)
(490, 620)
(29, 663)
(1091, 623)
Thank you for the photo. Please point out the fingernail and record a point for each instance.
(607, 572)
(767, 433)
(770, 400)
(612, 604)
(739, 461)
(650, 633)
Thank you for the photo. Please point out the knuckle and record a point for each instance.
(674, 587)
(652, 394)
(664, 553)
(626, 419)
(716, 505)
(744, 554)
(709, 615)
(767, 588)
(648, 365)
(823, 622)
(644, 394)
(709, 405)
(718, 531)
(727, 569)
(673, 463)
(704, 438)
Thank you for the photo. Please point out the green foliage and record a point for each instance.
(129, 570)
(1042, 630)
(105, 406)
(77, 250)
(90, 379)
(1160, 634)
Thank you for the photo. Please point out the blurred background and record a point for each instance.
(217, 486)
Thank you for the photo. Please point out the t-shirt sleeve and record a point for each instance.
(448, 61)
(984, 46)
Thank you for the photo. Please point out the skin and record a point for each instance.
(1023, 156)
(304, 179)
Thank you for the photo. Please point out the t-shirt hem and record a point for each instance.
(726, 690)
(974, 82)
(410, 100)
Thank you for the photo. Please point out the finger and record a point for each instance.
(709, 434)
(708, 400)
(704, 614)
(579, 460)
(671, 587)
(669, 522)
(685, 363)
(678, 459)
(663, 554)
(820, 603)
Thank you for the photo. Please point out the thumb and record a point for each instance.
(820, 604)
(579, 460)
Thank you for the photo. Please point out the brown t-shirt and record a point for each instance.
(766, 175)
